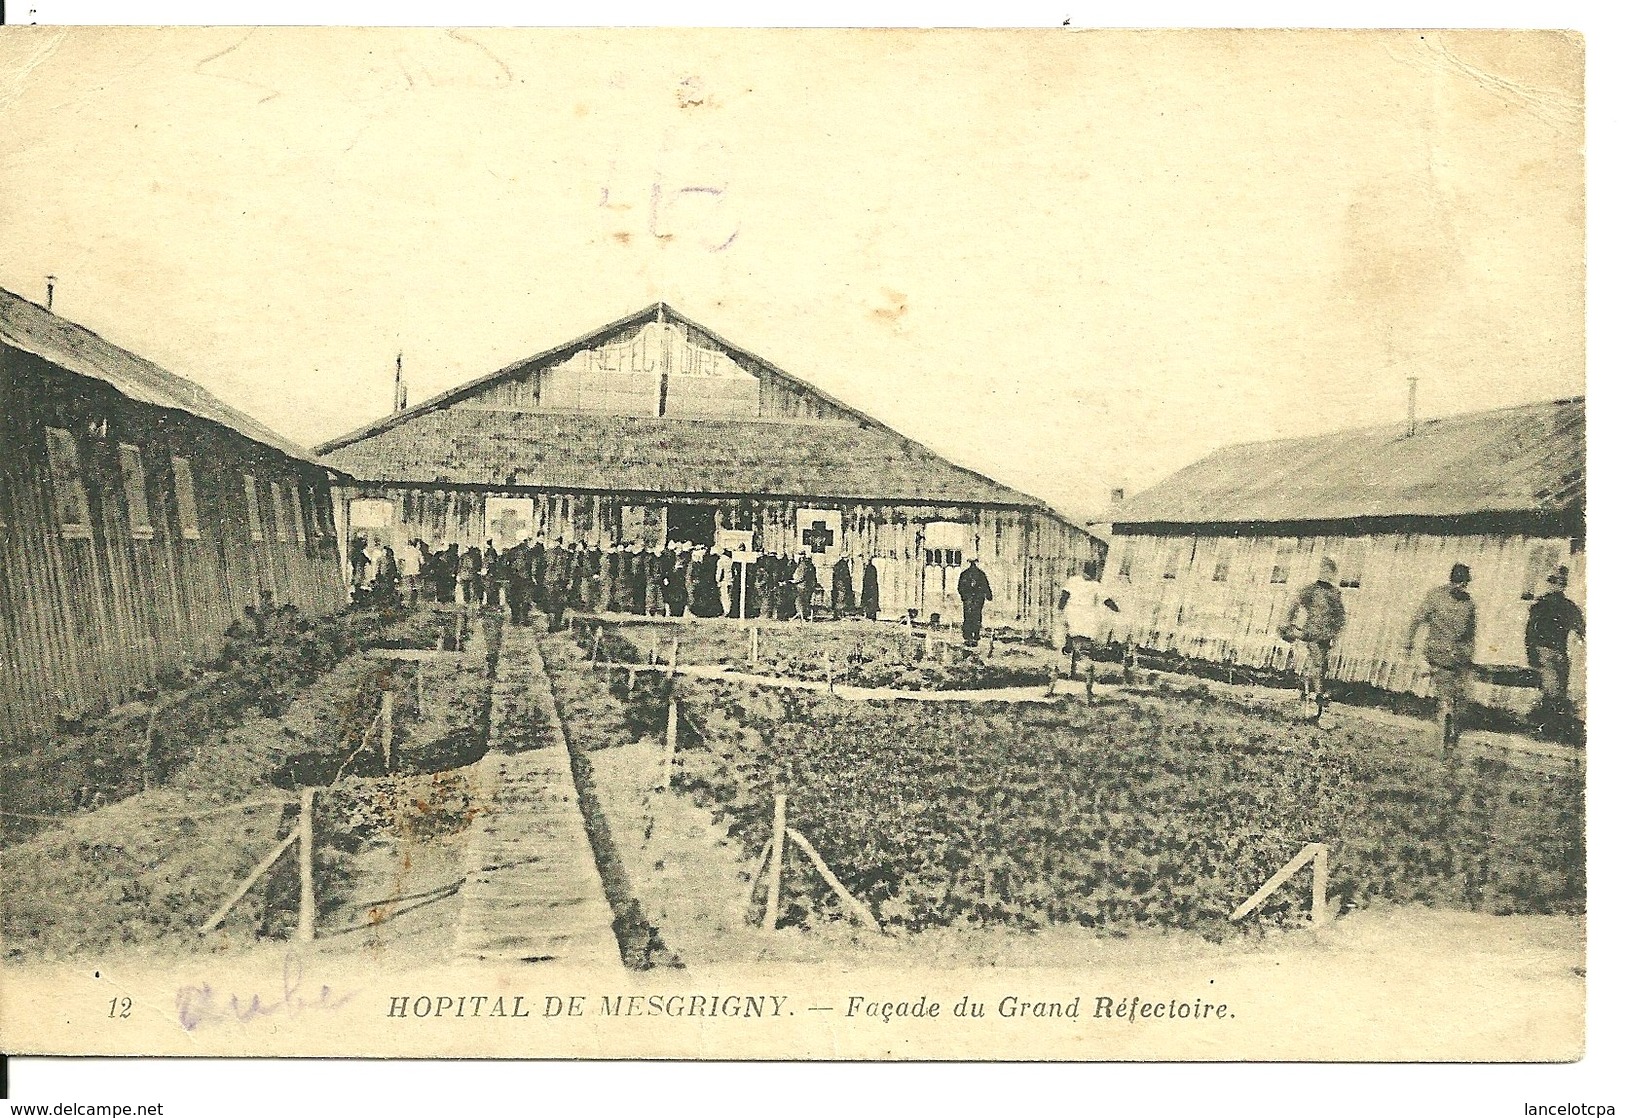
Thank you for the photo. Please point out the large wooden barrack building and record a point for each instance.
(1210, 560)
(138, 516)
(654, 428)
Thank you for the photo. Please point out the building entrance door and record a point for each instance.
(692, 524)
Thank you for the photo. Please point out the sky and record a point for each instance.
(1071, 260)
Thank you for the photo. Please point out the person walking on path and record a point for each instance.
(518, 562)
(871, 589)
(974, 593)
(1450, 616)
(1552, 618)
(1316, 620)
(1085, 616)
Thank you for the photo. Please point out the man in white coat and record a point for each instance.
(1086, 615)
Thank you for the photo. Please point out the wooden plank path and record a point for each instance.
(531, 890)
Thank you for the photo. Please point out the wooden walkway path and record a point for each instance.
(531, 891)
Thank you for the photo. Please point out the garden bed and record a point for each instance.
(100, 761)
(878, 656)
(1144, 813)
(150, 869)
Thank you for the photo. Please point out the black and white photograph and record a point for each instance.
(1017, 545)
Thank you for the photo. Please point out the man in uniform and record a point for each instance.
(974, 593)
(520, 575)
(558, 584)
(1317, 618)
(1451, 619)
(1552, 617)
(805, 578)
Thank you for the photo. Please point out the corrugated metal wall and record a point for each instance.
(1173, 601)
(1027, 554)
(87, 622)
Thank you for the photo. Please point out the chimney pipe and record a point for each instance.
(50, 291)
(400, 385)
(1410, 411)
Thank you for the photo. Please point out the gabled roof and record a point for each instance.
(1525, 459)
(719, 457)
(653, 312)
(437, 442)
(29, 327)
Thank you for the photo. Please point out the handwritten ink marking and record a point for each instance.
(200, 1005)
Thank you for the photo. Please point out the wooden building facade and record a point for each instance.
(1209, 563)
(138, 516)
(653, 428)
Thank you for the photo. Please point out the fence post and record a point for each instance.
(386, 730)
(829, 672)
(1312, 852)
(307, 872)
(146, 750)
(755, 642)
(1317, 905)
(1089, 684)
(671, 742)
(775, 865)
(671, 669)
(856, 906)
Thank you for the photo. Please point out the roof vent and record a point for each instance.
(50, 291)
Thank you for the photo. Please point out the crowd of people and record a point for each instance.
(1447, 615)
(677, 580)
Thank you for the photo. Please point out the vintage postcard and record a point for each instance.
(977, 545)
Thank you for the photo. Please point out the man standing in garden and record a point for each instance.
(1450, 616)
(974, 593)
(1317, 618)
(1552, 617)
